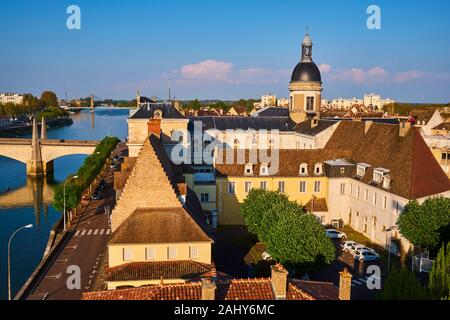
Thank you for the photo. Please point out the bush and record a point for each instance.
(86, 174)
(402, 285)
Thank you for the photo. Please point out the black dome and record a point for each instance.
(306, 71)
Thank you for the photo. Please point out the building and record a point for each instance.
(283, 102)
(278, 287)
(268, 100)
(375, 101)
(14, 98)
(306, 86)
(5, 121)
(372, 101)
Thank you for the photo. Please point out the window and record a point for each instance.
(358, 191)
(149, 253)
(318, 169)
(249, 169)
(248, 186)
(342, 188)
(366, 194)
(171, 253)
(360, 171)
(316, 186)
(342, 170)
(263, 170)
(263, 185)
(384, 202)
(127, 254)
(309, 103)
(281, 186)
(231, 187)
(193, 252)
(303, 169)
(377, 176)
(302, 186)
(374, 199)
(204, 197)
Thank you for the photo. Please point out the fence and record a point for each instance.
(422, 262)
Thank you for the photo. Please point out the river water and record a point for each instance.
(29, 200)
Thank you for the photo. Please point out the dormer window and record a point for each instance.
(303, 171)
(361, 169)
(379, 174)
(264, 170)
(248, 169)
(318, 169)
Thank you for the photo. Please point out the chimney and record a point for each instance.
(367, 125)
(154, 126)
(221, 111)
(404, 128)
(314, 122)
(345, 284)
(279, 281)
(208, 290)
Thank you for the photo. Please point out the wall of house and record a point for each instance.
(116, 251)
(228, 205)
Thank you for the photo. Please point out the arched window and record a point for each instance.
(303, 170)
(318, 169)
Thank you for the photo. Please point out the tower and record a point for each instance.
(43, 129)
(138, 98)
(92, 103)
(35, 166)
(306, 86)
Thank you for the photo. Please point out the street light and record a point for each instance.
(28, 226)
(388, 230)
(64, 193)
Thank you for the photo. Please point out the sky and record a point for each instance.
(214, 49)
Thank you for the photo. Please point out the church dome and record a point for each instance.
(306, 71)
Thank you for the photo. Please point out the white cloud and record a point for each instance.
(208, 69)
(324, 68)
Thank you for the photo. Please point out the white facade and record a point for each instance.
(376, 101)
(268, 100)
(11, 98)
(283, 102)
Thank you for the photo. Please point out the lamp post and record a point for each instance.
(9, 257)
(64, 194)
(388, 230)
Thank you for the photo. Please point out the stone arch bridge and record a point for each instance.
(38, 154)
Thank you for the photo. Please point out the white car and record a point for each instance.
(334, 234)
(355, 249)
(366, 255)
(346, 245)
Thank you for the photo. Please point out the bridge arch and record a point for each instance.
(50, 153)
(22, 154)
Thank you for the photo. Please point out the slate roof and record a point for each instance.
(305, 126)
(237, 289)
(155, 270)
(414, 171)
(442, 126)
(159, 225)
(272, 112)
(245, 123)
(147, 111)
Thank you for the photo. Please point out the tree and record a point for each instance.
(402, 285)
(439, 282)
(293, 237)
(426, 224)
(49, 99)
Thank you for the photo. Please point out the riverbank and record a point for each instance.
(16, 131)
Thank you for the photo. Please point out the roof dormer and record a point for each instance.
(379, 174)
(303, 170)
(248, 171)
(318, 169)
(264, 169)
(361, 169)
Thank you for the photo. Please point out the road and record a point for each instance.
(85, 248)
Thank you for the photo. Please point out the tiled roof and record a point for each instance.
(312, 290)
(414, 171)
(159, 225)
(317, 205)
(289, 162)
(238, 289)
(154, 270)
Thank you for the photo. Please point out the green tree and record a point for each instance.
(49, 99)
(426, 224)
(402, 285)
(439, 282)
(293, 237)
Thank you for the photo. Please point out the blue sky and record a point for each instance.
(224, 49)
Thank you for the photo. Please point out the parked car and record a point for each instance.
(335, 234)
(346, 245)
(366, 255)
(355, 249)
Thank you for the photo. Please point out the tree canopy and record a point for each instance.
(439, 282)
(426, 224)
(293, 237)
(49, 99)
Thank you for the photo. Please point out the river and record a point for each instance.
(29, 200)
